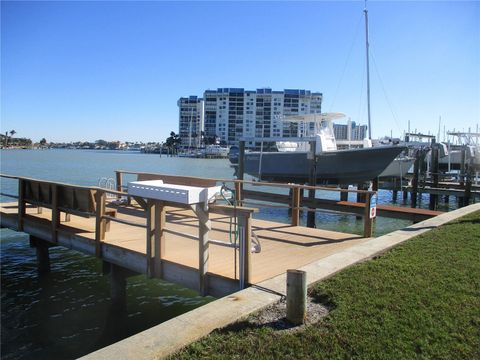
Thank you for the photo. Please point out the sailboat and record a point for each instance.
(318, 152)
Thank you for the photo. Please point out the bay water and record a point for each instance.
(67, 313)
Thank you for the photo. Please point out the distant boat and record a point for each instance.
(453, 159)
(216, 151)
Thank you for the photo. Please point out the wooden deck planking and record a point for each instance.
(283, 246)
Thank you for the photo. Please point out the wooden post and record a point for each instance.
(241, 160)
(312, 182)
(296, 296)
(100, 223)
(43, 256)
(461, 199)
(468, 187)
(344, 194)
(155, 237)
(367, 221)
(55, 213)
(245, 231)
(416, 170)
(21, 204)
(238, 192)
(422, 175)
(204, 227)
(296, 206)
(150, 214)
(118, 287)
(434, 170)
(361, 196)
(394, 195)
(375, 184)
(118, 176)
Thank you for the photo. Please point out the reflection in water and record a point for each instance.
(67, 313)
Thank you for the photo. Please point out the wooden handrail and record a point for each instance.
(250, 182)
(51, 182)
(231, 210)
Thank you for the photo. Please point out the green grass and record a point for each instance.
(419, 300)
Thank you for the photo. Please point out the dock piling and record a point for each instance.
(416, 172)
(118, 287)
(21, 204)
(312, 182)
(296, 296)
(100, 222)
(43, 255)
(435, 172)
(344, 194)
(367, 220)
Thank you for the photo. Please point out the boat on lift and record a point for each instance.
(296, 158)
(315, 157)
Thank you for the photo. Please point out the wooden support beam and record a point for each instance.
(204, 226)
(155, 237)
(100, 222)
(160, 224)
(140, 201)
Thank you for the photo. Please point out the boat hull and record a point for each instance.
(398, 168)
(333, 167)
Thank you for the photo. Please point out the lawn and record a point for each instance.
(419, 300)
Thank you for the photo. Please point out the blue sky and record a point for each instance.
(115, 70)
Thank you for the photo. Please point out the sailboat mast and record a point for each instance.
(365, 11)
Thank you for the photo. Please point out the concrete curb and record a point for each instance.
(170, 336)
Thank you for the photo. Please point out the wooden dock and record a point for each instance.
(216, 251)
(282, 246)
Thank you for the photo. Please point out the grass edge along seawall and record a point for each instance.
(168, 337)
(421, 298)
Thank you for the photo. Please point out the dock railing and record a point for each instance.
(295, 201)
(91, 201)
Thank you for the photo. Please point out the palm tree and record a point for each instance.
(12, 132)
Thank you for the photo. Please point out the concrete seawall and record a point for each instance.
(168, 337)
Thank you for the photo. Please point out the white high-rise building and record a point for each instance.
(233, 113)
(190, 120)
